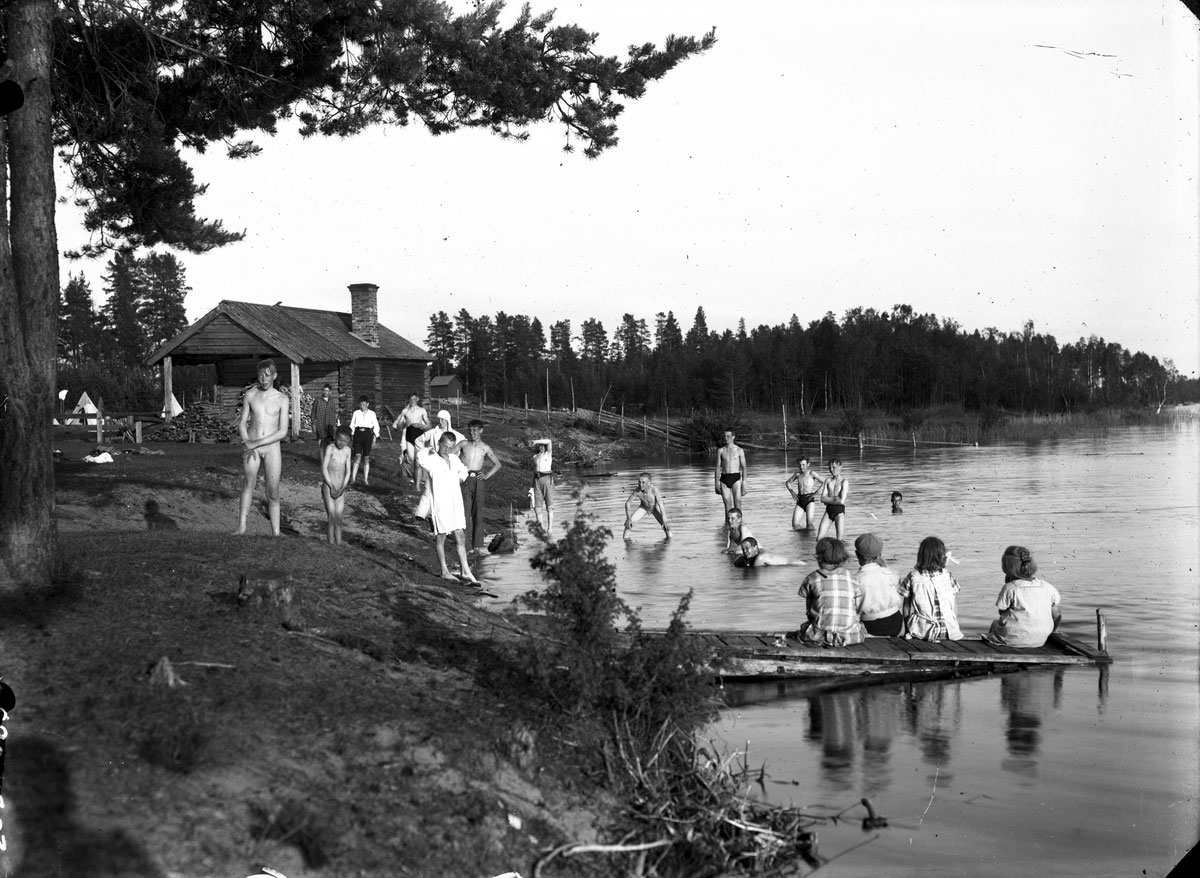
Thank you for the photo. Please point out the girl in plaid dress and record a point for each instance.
(930, 611)
(832, 597)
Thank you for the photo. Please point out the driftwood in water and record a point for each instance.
(273, 589)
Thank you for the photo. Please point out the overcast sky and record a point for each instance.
(989, 161)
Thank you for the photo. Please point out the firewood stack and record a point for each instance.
(203, 421)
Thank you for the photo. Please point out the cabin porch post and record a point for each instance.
(295, 393)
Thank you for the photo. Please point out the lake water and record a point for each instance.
(1065, 771)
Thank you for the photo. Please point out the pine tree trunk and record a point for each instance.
(28, 306)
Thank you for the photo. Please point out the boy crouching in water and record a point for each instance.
(335, 477)
(647, 498)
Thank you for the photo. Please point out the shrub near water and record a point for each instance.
(588, 667)
(635, 702)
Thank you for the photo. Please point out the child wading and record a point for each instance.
(648, 499)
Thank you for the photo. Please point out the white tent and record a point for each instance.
(176, 408)
(84, 406)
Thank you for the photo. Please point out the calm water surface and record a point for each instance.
(1058, 770)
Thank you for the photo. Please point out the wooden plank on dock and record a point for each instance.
(747, 654)
(1072, 645)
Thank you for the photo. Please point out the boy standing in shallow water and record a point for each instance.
(263, 424)
(808, 485)
(833, 495)
(335, 476)
(648, 500)
(543, 480)
(731, 473)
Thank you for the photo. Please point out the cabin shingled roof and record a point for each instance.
(301, 334)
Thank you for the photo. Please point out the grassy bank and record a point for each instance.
(366, 718)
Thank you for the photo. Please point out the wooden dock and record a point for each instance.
(747, 655)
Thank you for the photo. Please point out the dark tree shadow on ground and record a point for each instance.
(38, 796)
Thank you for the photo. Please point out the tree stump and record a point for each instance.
(272, 589)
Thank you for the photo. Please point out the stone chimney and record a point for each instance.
(364, 312)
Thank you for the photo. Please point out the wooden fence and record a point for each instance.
(678, 435)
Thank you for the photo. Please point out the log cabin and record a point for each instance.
(350, 351)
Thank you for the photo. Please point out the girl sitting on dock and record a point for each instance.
(929, 595)
(832, 598)
(1028, 606)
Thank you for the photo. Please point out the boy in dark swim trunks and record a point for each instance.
(833, 495)
(414, 420)
(730, 482)
(808, 485)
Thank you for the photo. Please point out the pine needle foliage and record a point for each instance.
(597, 664)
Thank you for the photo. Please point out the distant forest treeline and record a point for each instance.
(893, 361)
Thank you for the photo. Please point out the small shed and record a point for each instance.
(446, 388)
(351, 352)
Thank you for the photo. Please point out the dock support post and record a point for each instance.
(820, 445)
(1101, 632)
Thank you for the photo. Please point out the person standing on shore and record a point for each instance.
(446, 475)
(414, 421)
(335, 477)
(364, 424)
(730, 480)
(324, 416)
(263, 425)
(475, 455)
(808, 485)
